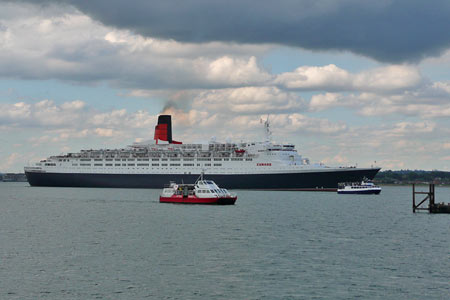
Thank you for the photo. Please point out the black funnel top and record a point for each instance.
(166, 119)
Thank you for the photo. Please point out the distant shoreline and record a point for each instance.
(408, 177)
(13, 177)
(409, 184)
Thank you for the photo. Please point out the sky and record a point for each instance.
(349, 82)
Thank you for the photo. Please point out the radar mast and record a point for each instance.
(267, 132)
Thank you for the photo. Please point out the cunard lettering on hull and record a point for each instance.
(250, 165)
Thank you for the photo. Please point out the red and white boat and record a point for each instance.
(201, 192)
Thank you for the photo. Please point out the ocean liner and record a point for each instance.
(246, 165)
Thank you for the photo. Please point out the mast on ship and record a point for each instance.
(267, 132)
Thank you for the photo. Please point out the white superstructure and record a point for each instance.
(214, 158)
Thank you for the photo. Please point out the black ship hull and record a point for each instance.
(311, 180)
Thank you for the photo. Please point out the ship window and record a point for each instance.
(98, 165)
(123, 159)
(164, 165)
(108, 159)
(98, 159)
(164, 159)
(85, 159)
(155, 159)
(124, 165)
(249, 159)
(117, 159)
(208, 165)
(217, 159)
(131, 165)
(85, 165)
(108, 165)
(188, 165)
(117, 165)
(217, 165)
(175, 165)
(142, 165)
(226, 159)
(155, 165)
(198, 165)
(74, 165)
(131, 159)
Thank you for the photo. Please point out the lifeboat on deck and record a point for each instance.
(239, 152)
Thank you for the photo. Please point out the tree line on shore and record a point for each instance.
(412, 176)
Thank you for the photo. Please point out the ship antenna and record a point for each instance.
(267, 131)
(201, 176)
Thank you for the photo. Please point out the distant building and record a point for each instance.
(14, 177)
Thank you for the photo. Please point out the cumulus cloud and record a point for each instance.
(333, 78)
(410, 128)
(214, 79)
(76, 114)
(43, 113)
(10, 160)
(427, 101)
(392, 31)
(430, 102)
(336, 143)
(71, 46)
(248, 100)
(392, 145)
(236, 72)
(303, 124)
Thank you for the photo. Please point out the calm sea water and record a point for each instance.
(74, 243)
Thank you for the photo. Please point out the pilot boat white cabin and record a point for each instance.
(363, 187)
(202, 192)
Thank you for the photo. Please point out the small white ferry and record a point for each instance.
(363, 187)
(201, 192)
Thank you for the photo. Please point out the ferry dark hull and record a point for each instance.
(179, 199)
(317, 180)
(370, 192)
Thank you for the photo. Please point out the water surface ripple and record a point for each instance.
(75, 243)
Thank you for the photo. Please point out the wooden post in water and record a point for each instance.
(440, 208)
(429, 197)
(431, 203)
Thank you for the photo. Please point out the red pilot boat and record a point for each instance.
(201, 192)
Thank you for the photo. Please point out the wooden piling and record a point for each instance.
(432, 206)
